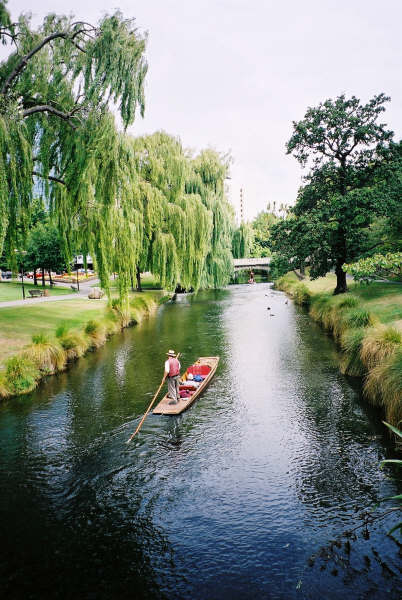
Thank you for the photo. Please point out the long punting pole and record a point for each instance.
(148, 409)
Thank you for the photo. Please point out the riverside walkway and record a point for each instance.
(85, 288)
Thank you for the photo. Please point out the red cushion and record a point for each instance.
(199, 369)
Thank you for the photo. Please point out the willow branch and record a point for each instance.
(53, 111)
(50, 177)
(24, 61)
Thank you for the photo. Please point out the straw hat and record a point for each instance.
(171, 353)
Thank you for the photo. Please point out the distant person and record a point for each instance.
(251, 280)
(172, 371)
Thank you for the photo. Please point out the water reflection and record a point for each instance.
(228, 500)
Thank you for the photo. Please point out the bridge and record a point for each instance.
(251, 263)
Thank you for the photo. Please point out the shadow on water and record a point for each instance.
(229, 499)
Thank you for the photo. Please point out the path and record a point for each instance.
(85, 288)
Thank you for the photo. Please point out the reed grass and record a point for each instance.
(351, 361)
(21, 376)
(383, 387)
(379, 343)
(96, 333)
(46, 355)
(362, 323)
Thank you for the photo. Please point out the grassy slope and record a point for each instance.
(19, 323)
(382, 299)
(12, 290)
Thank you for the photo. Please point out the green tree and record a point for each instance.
(341, 141)
(261, 228)
(44, 250)
(242, 241)
(56, 86)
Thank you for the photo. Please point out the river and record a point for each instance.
(237, 498)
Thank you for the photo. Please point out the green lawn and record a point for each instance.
(382, 299)
(19, 323)
(12, 290)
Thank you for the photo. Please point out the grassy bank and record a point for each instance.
(367, 325)
(36, 341)
(12, 290)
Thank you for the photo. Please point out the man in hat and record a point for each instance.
(172, 371)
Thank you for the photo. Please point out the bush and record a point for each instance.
(383, 387)
(379, 343)
(21, 375)
(301, 294)
(353, 318)
(320, 305)
(48, 356)
(351, 342)
(74, 344)
(96, 333)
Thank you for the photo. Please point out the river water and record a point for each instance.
(237, 498)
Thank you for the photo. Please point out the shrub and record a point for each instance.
(351, 342)
(111, 322)
(91, 327)
(320, 305)
(379, 343)
(96, 333)
(48, 356)
(353, 318)
(62, 330)
(301, 294)
(21, 375)
(383, 386)
(75, 344)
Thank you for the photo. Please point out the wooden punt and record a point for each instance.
(164, 408)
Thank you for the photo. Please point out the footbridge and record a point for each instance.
(251, 263)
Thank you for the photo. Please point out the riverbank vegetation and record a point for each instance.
(35, 344)
(367, 326)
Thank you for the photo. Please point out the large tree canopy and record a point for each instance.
(55, 90)
(344, 145)
(132, 203)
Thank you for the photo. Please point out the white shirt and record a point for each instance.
(167, 366)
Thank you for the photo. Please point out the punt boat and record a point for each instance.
(204, 366)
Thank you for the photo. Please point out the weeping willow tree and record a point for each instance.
(207, 178)
(188, 221)
(134, 204)
(56, 86)
(242, 241)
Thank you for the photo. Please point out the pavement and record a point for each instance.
(85, 288)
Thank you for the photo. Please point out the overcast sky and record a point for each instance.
(233, 74)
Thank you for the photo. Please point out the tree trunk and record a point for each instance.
(138, 275)
(302, 268)
(341, 285)
(50, 277)
(43, 277)
(35, 277)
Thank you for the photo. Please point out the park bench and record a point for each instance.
(36, 293)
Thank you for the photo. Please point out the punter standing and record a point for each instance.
(172, 370)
